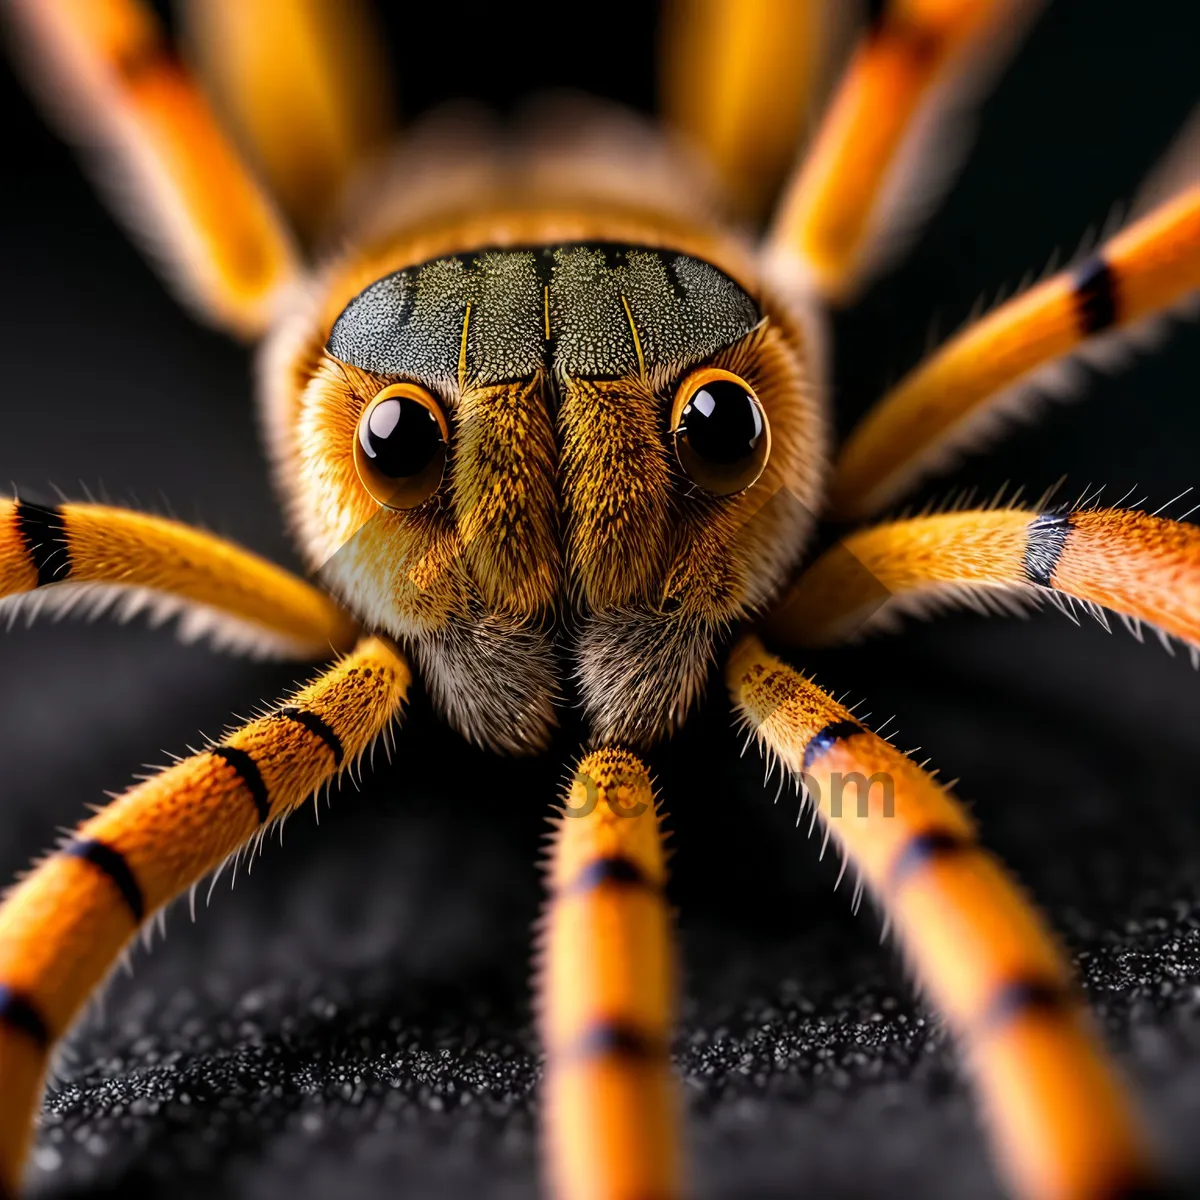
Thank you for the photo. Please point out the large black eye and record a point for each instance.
(722, 438)
(400, 447)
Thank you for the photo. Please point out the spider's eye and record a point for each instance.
(400, 446)
(721, 435)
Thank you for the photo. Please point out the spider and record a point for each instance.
(550, 429)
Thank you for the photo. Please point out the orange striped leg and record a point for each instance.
(65, 924)
(739, 79)
(1145, 568)
(220, 588)
(108, 72)
(1060, 1122)
(877, 141)
(304, 85)
(606, 993)
(946, 402)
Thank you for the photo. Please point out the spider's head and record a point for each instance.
(554, 467)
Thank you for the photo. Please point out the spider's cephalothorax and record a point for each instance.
(549, 446)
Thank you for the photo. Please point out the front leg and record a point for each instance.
(606, 992)
(1061, 1123)
(66, 923)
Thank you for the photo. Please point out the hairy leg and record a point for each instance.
(1059, 1118)
(1144, 567)
(110, 77)
(606, 992)
(305, 87)
(65, 924)
(739, 81)
(70, 553)
(953, 399)
(881, 154)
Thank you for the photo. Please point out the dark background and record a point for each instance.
(354, 1019)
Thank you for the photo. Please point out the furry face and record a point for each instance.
(564, 548)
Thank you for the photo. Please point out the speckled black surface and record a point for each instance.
(353, 1019)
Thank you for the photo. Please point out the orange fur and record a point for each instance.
(1155, 263)
(1146, 567)
(888, 448)
(1056, 1109)
(63, 926)
(469, 576)
(304, 85)
(611, 1115)
(505, 500)
(1143, 567)
(735, 65)
(825, 217)
(119, 87)
(131, 550)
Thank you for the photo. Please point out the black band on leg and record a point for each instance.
(112, 863)
(44, 532)
(18, 1012)
(251, 777)
(613, 869)
(612, 1039)
(1096, 296)
(1046, 539)
(826, 738)
(1022, 996)
(924, 848)
(315, 724)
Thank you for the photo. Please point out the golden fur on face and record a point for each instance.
(564, 549)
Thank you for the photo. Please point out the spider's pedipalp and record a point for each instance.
(66, 923)
(1058, 1114)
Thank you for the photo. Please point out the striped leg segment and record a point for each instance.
(883, 141)
(305, 88)
(954, 398)
(606, 992)
(739, 81)
(1061, 1125)
(108, 73)
(138, 560)
(65, 924)
(1145, 568)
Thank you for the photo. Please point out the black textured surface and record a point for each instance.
(353, 1019)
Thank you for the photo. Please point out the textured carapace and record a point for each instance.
(564, 548)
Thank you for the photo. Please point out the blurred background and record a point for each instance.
(354, 1018)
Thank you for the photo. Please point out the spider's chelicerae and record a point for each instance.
(550, 430)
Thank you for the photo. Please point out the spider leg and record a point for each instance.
(64, 924)
(739, 81)
(303, 85)
(70, 553)
(1060, 1122)
(1144, 567)
(882, 153)
(952, 399)
(107, 72)
(606, 992)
